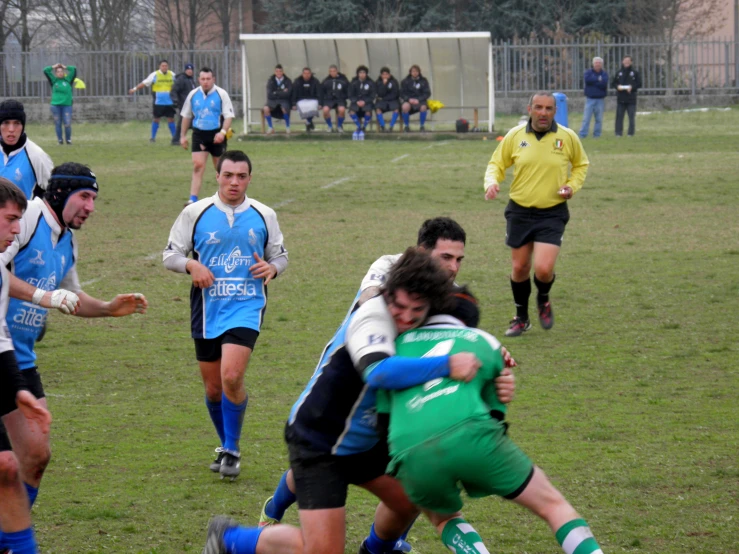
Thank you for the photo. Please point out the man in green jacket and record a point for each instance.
(60, 78)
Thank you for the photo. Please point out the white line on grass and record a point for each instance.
(90, 282)
(337, 182)
(153, 256)
(442, 143)
(399, 158)
(284, 203)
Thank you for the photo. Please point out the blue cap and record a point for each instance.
(189, 66)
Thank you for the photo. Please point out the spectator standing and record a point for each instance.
(415, 91)
(335, 90)
(627, 81)
(279, 95)
(60, 78)
(183, 84)
(307, 95)
(596, 90)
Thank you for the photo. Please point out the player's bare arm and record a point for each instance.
(120, 306)
(32, 410)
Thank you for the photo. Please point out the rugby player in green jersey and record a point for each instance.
(445, 434)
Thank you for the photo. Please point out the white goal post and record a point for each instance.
(458, 66)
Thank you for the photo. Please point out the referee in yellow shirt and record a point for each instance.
(542, 153)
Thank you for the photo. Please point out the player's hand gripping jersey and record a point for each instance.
(428, 410)
(225, 240)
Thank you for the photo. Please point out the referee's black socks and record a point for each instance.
(542, 288)
(521, 292)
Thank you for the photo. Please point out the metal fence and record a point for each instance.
(521, 67)
(678, 68)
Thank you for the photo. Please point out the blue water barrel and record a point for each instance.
(561, 116)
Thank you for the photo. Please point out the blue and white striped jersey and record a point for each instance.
(44, 255)
(225, 239)
(336, 411)
(206, 110)
(27, 167)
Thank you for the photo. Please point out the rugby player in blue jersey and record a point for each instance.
(237, 249)
(44, 255)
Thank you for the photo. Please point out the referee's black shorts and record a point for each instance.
(525, 225)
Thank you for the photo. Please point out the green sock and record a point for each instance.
(460, 537)
(575, 537)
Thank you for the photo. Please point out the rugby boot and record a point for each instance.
(546, 315)
(400, 547)
(214, 539)
(264, 519)
(230, 465)
(518, 327)
(215, 465)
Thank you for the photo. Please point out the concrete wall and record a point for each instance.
(126, 109)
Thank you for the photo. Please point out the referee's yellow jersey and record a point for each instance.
(542, 166)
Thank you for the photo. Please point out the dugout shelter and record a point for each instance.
(458, 66)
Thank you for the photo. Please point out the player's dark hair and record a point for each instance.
(362, 68)
(546, 93)
(308, 69)
(278, 66)
(440, 228)
(333, 66)
(385, 69)
(234, 156)
(205, 69)
(417, 67)
(11, 193)
(418, 274)
(163, 61)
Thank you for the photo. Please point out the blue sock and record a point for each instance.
(394, 119)
(233, 419)
(32, 494)
(328, 122)
(282, 499)
(423, 117)
(214, 408)
(287, 120)
(268, 119)
(381, 120)
(194, 198)
(376, 545)
(20, 542)
(355, 119)
(154, 129)
(242, 540)
(340, 121)
(406, 119)
(172, 128)
(309, 120)
(367, 119)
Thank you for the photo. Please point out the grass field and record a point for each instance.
(629, 403)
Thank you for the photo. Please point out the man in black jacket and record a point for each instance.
(183, 84)
(361, 97)
(388, 98)
(415, 91)
(279, 96)
(307, 87)
(335, 90)
(627, 81)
